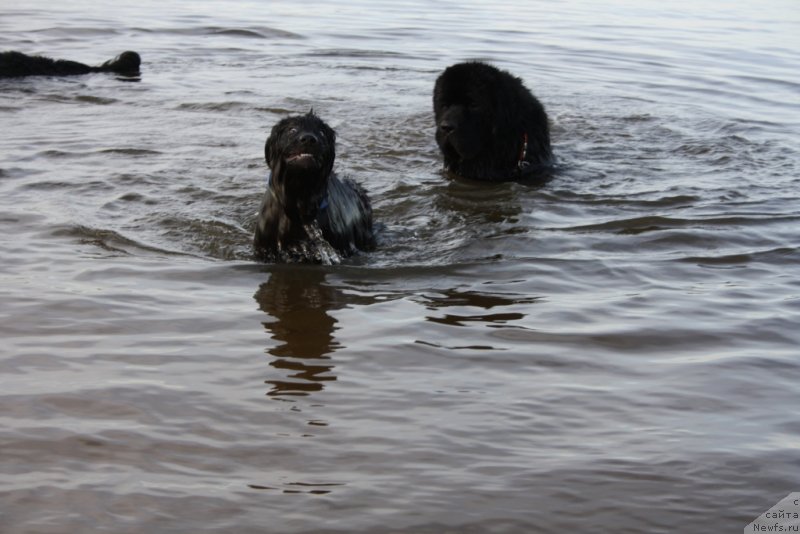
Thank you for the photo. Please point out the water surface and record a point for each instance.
(613, 350)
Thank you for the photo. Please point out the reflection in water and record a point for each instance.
(298, 300)
(477, 306)
(299, 487)
(479, 202)
(453, 297)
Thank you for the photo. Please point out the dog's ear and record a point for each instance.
(507, 120)
(330, 138)
(269, 147)
(330, 135)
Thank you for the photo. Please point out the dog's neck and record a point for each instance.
(492, 169)
(301, 208)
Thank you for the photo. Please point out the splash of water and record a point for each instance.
(314, 249)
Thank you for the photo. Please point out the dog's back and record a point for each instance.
(15, 64)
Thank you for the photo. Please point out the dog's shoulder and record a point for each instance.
(346, 215)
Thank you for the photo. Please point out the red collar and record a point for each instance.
(521, 163)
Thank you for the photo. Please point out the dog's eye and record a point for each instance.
(292, 131)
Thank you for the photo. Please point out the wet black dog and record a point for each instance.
(488, 124)
(15, 64)
(308, 213)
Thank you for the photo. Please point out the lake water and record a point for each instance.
(615, 350)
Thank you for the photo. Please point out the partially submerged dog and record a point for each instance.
(488, 124)
(16, 64)
(308, 214)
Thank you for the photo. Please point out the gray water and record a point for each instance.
(613, 351)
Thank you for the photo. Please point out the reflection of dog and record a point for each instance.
(302, 328)
(301, 305)
(13, 64)
(308, 213)
(488, 125)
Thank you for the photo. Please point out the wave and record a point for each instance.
(261, 32)
(637, 225)
(779, 255)
(214, 106)
(109, 240)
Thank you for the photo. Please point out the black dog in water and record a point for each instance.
(15, 64)
(488, 124)
(308, 213)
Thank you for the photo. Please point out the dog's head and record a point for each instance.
(465, 111)
(300, 151)
(478, 122)
(127, 63)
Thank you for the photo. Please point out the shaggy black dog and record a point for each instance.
(488, 124)
(14, 64)
(308, 213)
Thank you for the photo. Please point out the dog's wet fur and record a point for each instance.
(15, 64)
(309, 214)
(489, 126)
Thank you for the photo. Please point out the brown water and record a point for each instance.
(614, 351)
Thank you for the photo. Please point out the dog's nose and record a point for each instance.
(308, 138)
(446, 126)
